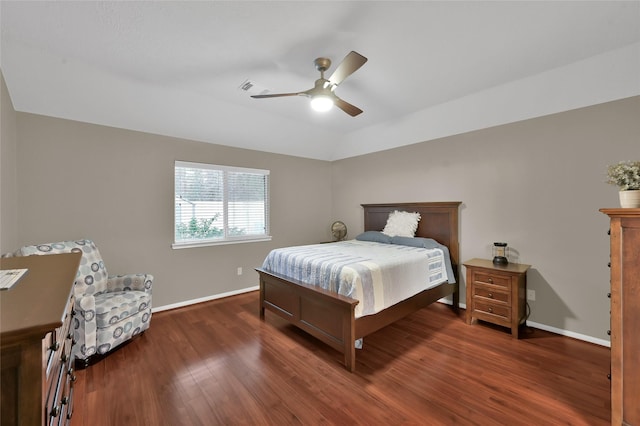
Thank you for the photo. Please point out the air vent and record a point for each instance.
(247, 85)
(251, 88)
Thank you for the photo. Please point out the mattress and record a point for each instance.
(378, 275)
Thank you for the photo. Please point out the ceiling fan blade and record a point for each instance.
(350, 64)
(352, 110)
(278, 95)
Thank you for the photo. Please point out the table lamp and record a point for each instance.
(500, 254)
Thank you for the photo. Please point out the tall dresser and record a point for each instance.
(625, 315)
(36, 339)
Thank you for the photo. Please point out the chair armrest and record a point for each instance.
(86, 304)
(84, 326)
(140, 282)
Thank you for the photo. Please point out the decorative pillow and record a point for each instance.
(375, 236)
(403, 224)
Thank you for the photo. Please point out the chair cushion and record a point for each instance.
(114, 307)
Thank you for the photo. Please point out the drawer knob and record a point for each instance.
(490, 310)
(608, 332)
(490, 280)
(609, 295)
(491, 295)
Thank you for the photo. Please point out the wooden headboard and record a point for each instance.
(438, 220)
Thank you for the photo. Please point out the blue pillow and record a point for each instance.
(374, 236)
(427, 243)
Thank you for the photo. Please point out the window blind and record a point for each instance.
(215, 204)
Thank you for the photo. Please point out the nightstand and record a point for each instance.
(497, 293)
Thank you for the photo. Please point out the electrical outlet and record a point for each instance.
(239, 270)
(531, 295)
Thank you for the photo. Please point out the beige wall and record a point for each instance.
(8, 172)
(115, 186)
(536, 184)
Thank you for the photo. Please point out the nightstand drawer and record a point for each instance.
(482, 292)
(501, 311)
(492, 279)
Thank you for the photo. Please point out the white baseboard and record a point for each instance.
(204, 299)
(572, 334)
(544, 327)
(550, 329)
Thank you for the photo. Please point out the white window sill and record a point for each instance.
(194, 244)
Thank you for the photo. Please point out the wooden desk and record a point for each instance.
(36, 340)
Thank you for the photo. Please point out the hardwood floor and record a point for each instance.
(216, 363)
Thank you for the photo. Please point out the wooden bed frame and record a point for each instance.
(330, 317)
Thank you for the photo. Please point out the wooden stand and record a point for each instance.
(497, 293)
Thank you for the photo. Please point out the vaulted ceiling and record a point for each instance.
(435, 68)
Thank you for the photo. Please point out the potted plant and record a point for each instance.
(626, 176)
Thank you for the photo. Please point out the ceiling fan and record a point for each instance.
(323, 95)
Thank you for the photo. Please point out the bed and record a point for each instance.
(331, 317)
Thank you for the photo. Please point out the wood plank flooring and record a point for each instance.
(216, 363)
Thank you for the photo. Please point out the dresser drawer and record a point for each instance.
(491, 310)
(66, 400)
(53, 407)
(490, 295)
(52, 349)
(480, 277)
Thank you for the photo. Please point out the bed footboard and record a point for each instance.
(327, 316)
(330, 317)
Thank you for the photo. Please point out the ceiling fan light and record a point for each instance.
(321, 103)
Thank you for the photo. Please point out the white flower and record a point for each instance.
(625, 175)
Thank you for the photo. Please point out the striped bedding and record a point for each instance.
(378, 275)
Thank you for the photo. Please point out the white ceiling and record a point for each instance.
(435, 68)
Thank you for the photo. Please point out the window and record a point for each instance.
(220, 204)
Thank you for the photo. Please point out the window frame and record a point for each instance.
(226, 239)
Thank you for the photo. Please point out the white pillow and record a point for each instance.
(403, 224)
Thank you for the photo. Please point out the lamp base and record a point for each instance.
(500, 260)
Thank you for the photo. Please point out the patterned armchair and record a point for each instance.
(109, 309)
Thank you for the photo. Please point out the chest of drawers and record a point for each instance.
(496, 293)
(625, 315)
(59, 374)
(36, 341)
